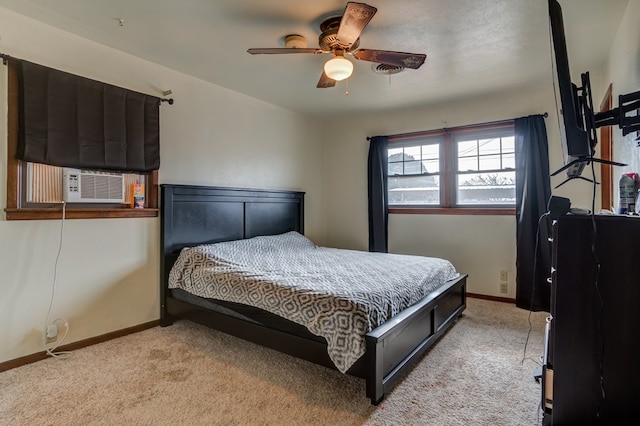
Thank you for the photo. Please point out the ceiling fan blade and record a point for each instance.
(401, 59)
(325, 81)
(280, 50)
(355, 18)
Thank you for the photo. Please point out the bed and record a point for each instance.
(193, 216)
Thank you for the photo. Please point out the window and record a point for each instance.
(35, 190)
(463, 170)
(414, 172)
(485, 169)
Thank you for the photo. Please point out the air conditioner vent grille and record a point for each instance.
(84, 186)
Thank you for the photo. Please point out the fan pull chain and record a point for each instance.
(346, 85)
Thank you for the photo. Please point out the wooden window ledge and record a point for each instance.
(76, 213)
(455, 211)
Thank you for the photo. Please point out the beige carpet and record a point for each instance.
(187, 374)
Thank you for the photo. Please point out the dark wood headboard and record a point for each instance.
(193, 215)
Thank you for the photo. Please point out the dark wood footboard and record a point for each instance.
(398, 344)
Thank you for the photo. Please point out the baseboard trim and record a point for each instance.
(39, 356)
(494, 298)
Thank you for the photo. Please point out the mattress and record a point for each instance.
(337, 294)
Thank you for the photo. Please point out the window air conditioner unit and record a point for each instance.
(86, 186)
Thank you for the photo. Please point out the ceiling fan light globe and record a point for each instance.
(338, 68)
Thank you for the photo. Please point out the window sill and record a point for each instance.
(77, 213)
(471, 211)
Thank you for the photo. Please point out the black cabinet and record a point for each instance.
(592, 373)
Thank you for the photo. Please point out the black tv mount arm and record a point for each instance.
(627, 104)
(618, 116)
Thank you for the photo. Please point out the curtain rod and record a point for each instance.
(426, 132)
(5, 59)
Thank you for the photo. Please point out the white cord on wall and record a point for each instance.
(51, 351)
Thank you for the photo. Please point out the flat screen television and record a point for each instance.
(578, 136)
(579, 122)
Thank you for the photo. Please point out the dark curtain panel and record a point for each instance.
(378, 196)
(533, 189)
(71, 121)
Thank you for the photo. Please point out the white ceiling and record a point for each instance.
(473, 47)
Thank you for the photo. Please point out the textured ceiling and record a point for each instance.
(473, 47)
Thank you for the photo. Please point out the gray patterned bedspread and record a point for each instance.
(337, 294)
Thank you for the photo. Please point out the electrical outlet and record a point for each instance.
(504, 276)
(503, 288)
(52, 333)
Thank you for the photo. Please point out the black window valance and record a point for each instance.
(71, 121)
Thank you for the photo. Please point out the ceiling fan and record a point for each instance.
(340, 36)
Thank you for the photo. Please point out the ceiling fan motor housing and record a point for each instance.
(328, 40)
(295, 41)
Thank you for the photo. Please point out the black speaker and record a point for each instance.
(558, 206)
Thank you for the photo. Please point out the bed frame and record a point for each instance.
(193, 215)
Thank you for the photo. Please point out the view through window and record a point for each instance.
(467, 167)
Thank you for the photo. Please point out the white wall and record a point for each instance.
(108, 275)
(480, 246)
(623, 71)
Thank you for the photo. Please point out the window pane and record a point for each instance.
(394, 154)
(487, 188)
(396, 169)
(508, 161)
(395, 157)
(489, 146)
(466, 148)
(412, 153)
(413, 168)
(432, 166)
(430, 152)
(414, 190)
(508, 144)
(468, 164)
(490, 162)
